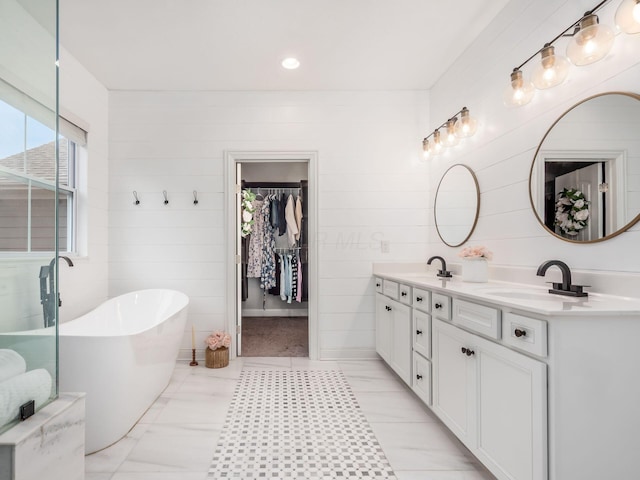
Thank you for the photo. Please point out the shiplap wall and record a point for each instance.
(502, 151)
(372, 186)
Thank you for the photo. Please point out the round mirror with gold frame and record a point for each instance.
(457, 205)
(584, 183)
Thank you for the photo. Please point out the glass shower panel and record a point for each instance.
(28, 207)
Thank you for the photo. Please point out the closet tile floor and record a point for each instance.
(177, 437)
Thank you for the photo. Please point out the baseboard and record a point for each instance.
(275, 312)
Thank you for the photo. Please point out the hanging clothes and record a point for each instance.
(268, 270)
(290, 217)
(254, 260)
(298, 215)
(282, 222)
(299, 278)
(294, 277)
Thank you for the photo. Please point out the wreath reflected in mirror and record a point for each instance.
(572, 211)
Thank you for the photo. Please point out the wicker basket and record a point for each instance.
(217, 358)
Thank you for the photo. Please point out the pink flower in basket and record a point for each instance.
(218, 339)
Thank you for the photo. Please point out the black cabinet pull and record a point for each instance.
(438, 305)
(418, 332)
(419, 377)
(418, 299)
(378, 285)
(520, 333)
(467, 351)
(388, 308)
(404, 294)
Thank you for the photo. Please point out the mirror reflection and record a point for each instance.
(585, 177)
(457, 205)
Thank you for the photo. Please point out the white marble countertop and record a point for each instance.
(521, 296)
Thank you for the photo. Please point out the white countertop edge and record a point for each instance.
(594, 304)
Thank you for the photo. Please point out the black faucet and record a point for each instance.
(564, 288)
(47, 298)
(444, 273)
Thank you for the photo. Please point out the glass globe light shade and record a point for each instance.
(519, 92)
(436, 146)
(551, 71)
(591, 43)
(450, 138)
(628, 16)
(426, 153)
(467, 125)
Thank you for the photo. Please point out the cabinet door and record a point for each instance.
(454, 380)
(401, 347)
(422, 333)
(384, 330)
(512, 413)
(421, 383)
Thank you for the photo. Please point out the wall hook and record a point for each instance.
(135, 195)
(195, 197)
(166, 199)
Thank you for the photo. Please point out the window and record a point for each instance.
(28, 176)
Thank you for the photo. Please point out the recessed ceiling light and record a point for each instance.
(290, 63)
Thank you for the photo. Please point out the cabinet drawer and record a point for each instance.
(378, 284)
(422, 299)
(422, 333)
(478, 318)
(405, 294)
(390, 289)
(441, 306)
(525, 333)
(421, 382)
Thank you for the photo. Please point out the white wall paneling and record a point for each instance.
(372, 186)
(502, 150)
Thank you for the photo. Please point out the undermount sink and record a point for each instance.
(518, 294)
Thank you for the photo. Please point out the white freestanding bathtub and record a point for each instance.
(122, 355)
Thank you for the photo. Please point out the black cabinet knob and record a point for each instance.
(418, 332)
(388, 308)
(418, 299)
(404, 294)
(378, 285)
(467, 351)
(438, 305)
(464, 350)
(419, 377)
(520, 333)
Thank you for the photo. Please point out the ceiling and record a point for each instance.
(239, 44)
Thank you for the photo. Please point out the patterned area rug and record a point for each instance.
(297, 424)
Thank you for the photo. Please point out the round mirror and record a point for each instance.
(584, 183)
(456, 205)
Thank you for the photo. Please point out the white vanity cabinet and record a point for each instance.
(493, 399)
(393, 330)
(537, 386)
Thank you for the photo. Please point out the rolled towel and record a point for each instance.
(11, 364)
(33, 385)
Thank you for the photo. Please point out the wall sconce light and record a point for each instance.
(590, 42)
(455, 129)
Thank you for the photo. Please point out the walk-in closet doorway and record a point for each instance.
(272, 296)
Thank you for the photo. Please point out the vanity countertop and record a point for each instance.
(521, 296)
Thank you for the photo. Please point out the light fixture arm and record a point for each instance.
(575, 26)
(444, 124)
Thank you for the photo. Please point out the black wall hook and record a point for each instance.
(166, 198)
(195, 197)
(135, 195)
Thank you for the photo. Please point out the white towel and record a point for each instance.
(11, 364)
(33, 385)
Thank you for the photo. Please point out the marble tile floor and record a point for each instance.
(176, 438)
